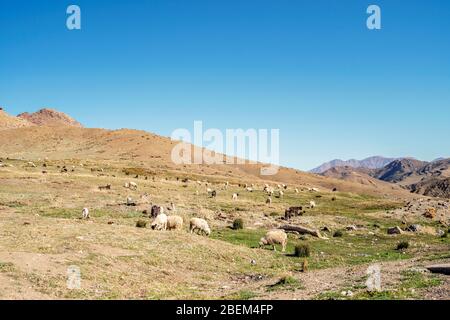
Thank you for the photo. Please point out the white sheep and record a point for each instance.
(235, 196)
(249, 189)
(296, 190)
(275, 237)
(200, 226)
(269, 200)
(133, 186)
(312, 204)
(174, 223)
(85, 213)
(160, 223)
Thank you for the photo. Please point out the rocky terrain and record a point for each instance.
(49, 117)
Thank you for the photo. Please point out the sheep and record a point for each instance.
(312, 204)
(249, 189)
(274, 237)
(174, 223)
(85, 213)
(200, 226)
(269, 201)
(156, 211)
(133, 186)
(296, 190)
(107, 187)
(235, 196)
(160, 223)
(130, 202)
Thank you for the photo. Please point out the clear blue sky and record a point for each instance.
(310, 68)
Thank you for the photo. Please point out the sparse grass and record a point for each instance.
(6, 267)
(286, 283)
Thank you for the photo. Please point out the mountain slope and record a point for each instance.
(49, 117)
(368, 163)
(11, 122)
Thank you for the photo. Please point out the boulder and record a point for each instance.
(395, 230)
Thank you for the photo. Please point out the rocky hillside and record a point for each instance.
(399, 170)
(10, 122)
(49, 117)
(433, 187)
(376, 162)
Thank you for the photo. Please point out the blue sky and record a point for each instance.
(310, 68)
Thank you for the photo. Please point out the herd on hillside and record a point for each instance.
(162, 221)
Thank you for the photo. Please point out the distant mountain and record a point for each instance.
(399, 170)
(376, 162)
(49, 118)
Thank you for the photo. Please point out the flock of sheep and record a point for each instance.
(163, 222)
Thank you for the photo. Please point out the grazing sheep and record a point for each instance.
(31, 164)
(174, 223)
(280, 194)
(200, 226)
(107, 187)
(156, 211)
(85, 213)
(249, 189)
(160, 223)
(214, 194)
(269, 200)
(296, 190)
(130, 202)
(312, 204)
(235, 196)
(274, 237)
(133, 186)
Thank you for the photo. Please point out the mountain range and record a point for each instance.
(375, 162)
(60, 137)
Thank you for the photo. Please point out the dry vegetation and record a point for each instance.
(41, 235)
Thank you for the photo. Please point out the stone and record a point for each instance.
(395, 230)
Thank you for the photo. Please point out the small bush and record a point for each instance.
(302, 251)
(141, 224)
(238, 224)
(403, 245)
(338, 234)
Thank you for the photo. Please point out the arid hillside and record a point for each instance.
(151, 152)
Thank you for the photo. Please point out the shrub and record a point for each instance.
(338, 234)
(302, 251)
(141, 224)
(238, 224)
(403, 245)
